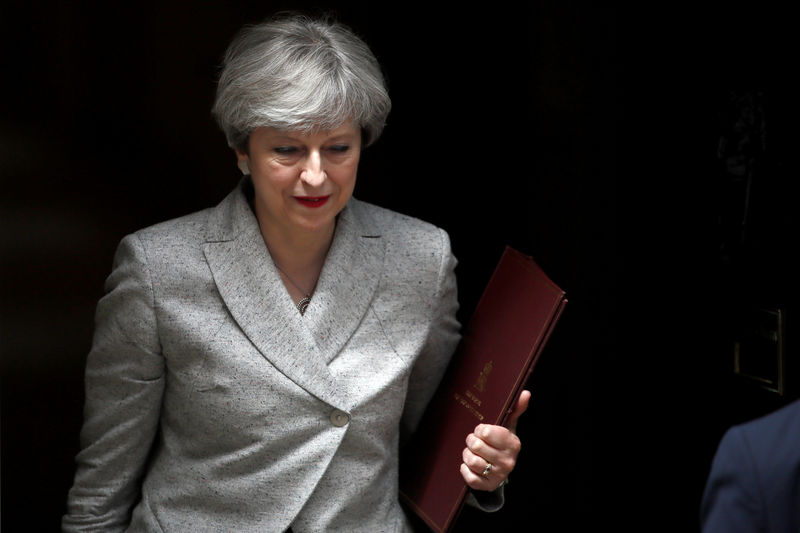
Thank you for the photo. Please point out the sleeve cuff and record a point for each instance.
(488, 502)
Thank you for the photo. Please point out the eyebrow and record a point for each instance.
(332, 138)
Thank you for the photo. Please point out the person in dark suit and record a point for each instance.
(754, 483)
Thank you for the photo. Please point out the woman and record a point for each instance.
(255, 364)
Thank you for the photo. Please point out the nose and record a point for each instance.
(313, 172)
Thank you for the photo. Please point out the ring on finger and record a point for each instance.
(486, 470)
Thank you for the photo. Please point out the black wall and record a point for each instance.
(579, 134)
(688, 281)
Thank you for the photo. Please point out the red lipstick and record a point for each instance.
(313, 201)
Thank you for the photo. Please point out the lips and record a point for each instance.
(312, 201)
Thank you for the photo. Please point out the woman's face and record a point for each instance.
(302, 181)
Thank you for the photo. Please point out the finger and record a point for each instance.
(521, 407)
(480, 465)
(478, 454)
(502, 463)
(476, 481)
(493, 442)
(481, 447)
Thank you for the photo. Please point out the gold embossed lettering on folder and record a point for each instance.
(500, 346)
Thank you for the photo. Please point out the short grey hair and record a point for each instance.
(293, 72)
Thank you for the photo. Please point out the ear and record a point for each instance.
(243, 162)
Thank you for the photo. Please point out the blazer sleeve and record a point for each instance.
(432, 362)
(440, 342)
(732, 500)
(124, 389)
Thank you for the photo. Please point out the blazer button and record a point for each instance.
(339, 418)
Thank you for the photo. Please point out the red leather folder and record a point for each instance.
(499, 348)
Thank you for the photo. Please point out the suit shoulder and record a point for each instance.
(167, 243)
(393, 225)
(786, 419)
(415, 250)
(773, 443)
(185, 230)
(776, 427)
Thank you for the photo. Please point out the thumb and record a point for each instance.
(521, 407)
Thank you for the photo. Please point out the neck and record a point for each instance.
(299, 256)
(298, 251)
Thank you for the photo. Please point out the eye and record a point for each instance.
(339, 148)
(285, 150)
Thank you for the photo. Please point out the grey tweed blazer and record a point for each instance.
(213, 405)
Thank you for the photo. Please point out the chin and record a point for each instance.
(312, 224)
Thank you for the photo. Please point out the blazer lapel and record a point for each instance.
(348, 282)
(251, 288)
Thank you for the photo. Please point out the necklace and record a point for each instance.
(305, 300)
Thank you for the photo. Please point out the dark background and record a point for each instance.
(584, 135)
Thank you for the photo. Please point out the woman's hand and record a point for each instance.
(497, 446)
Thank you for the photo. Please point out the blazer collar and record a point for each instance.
(300, 346)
